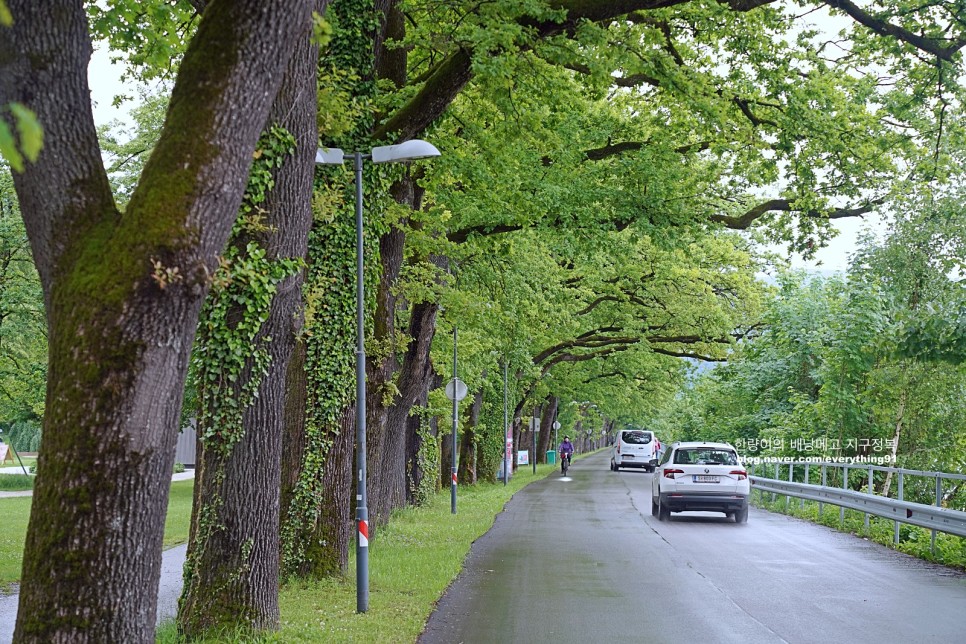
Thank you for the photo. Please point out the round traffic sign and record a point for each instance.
(456, 389)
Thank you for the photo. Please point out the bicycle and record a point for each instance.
(565, 464)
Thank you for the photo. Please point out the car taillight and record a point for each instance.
(618, 448)
(741, 474)
(669, 474)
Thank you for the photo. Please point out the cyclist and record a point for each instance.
(566, 451)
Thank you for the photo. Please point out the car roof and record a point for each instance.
(624, 431)
(703, 444)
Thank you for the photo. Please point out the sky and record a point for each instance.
(105, 81)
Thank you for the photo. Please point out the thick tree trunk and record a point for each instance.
(422, 450)
(327, 552)
(294, 439)
(546, 427)
(446, 456)
(385, 452)
(416, 378)
(232, 567)
(467, 462)
(123, 293)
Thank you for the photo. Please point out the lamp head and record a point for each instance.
(406, 151)
(329, 156)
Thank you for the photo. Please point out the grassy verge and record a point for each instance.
(949, 550)
(13, 529)
(16, 511)
(412, 561)
(16, 482)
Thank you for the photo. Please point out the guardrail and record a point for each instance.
(933, 517)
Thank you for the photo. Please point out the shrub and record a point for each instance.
(24, 435)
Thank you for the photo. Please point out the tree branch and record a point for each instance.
(744, 221)
(885, 28)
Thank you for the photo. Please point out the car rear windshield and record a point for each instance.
(705, 456)
(637, 438)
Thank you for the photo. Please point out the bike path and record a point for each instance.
(583, 560)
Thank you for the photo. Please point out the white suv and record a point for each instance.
(703, 477)
(634, 448)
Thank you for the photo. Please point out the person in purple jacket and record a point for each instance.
(566, 451)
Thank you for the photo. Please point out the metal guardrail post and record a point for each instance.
(776, 476)
(901, 493)
(939, 503)
(871, 491)
(791, 471)
(845, 486)
(807, 480)
(821, 506)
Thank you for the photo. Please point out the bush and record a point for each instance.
(178, 468)
(24, 435)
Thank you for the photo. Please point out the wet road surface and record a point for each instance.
(584, 561)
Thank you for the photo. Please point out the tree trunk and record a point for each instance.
(422, 450)
(294, 438)
(123, 293)
(386, 453)
(232, 566)
(467, 462)
(546, 428)
(900, 418)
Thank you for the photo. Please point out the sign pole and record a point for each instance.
(455, 422)
(534, 423)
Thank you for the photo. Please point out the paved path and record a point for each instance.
(584, 561)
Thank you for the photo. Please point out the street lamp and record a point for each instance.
(456, 391)
(407, 151)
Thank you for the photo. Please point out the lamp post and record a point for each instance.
(456, 391)
(407, 151)
(506, 427)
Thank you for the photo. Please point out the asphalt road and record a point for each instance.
(584, 561)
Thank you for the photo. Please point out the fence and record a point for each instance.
(935, 517)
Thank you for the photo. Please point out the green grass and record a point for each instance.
(179, 513)
(13, 529)
(16, 482)
(14, 513)
(412, 561)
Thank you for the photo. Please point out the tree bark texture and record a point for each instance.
(232, 568)
(294, 439)
(544, 442)
(386, 451)
(469, 443)
(422, 450)
(123, 293)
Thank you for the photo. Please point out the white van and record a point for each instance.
(635, 448)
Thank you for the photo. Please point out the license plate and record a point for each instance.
(700, 478)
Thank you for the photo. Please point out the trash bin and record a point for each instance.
(551, 456)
